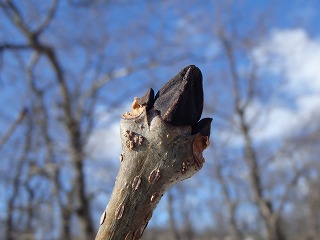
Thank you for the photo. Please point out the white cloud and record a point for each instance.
(104, 142)
(296, 56)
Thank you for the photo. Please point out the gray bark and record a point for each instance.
(155, 155)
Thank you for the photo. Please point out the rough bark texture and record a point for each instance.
(155, 155)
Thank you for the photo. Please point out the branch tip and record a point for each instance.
(136, 109)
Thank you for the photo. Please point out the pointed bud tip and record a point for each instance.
(147, 99)
(180, 100)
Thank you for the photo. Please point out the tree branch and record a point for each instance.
(4, 138)
(155, 154)
(48, 18)
(288, 189)
(15, 16)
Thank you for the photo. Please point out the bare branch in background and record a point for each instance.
(11, 226)
(49, 17)
(5, 137)
(235, 233)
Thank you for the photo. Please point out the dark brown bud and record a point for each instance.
(203, 127)
(147, 99)
(180, 101)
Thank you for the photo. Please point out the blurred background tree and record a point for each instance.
(69, 69)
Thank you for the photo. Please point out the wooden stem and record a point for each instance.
(155, 156)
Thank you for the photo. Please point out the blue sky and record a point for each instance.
(104, 39)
